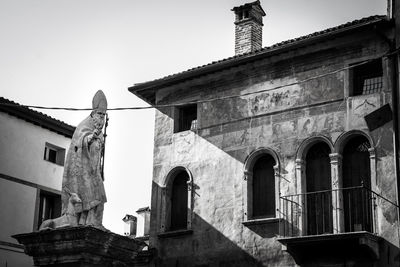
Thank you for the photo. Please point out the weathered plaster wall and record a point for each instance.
(280, 118)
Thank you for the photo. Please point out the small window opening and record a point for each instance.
(246, 14)
(368, 78)
(187, 118)
(54, 154)
(50, 154)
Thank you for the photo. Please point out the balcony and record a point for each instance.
(331, 225)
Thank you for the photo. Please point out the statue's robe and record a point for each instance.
(82, 170)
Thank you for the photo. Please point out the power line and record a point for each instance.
(211, 99)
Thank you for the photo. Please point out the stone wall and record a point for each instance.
(281, 118)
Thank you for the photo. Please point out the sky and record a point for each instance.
(58, 53)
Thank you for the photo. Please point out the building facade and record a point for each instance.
(280, 156)
(32, 152)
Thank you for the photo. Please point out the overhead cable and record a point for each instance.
(210, 99)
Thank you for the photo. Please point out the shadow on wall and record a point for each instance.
(232, 245)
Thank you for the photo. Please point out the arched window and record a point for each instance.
(176, 209)
(356, 184)
(179, 202)
(260, 186)
(318, 189)
(263, 186)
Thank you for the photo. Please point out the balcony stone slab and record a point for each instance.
(332, 248)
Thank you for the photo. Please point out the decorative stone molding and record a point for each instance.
(342, 140)
(300, 170)
(373, 159)
(300, 178)
(307, 143)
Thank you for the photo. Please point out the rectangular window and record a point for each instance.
(54, 154)
(367, 78)
(186, 118)
(49, 206)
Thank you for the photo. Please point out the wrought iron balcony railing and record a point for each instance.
(335, 211)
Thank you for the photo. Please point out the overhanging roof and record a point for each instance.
(147, 89)
(35, 117)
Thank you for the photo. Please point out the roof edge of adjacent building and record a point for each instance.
(36, 118)
(261, 53)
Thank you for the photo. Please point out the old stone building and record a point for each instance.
(32, 152)
(282, 155)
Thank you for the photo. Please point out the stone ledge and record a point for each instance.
(80, 246)
(261, 221)
(306, 249)
(175, 233)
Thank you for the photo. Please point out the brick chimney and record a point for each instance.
(248, 27)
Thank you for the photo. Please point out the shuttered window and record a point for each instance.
(179, 202)
(264, 187)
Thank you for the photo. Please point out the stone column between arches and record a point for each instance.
(337, 193)
(301, 189)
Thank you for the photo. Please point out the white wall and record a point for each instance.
(17, 209)
(22, 148)
(21, 156)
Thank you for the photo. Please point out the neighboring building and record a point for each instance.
(284, 154)
(32, 153)
(143, 223)
(138, 227)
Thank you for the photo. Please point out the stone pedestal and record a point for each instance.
(81, 246)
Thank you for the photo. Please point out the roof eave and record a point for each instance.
(37, 118)
(243, 59)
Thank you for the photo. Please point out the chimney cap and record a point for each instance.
(256, 4)
(143, 210)
(129, 217)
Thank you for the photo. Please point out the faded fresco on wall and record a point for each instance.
(361, 106)
(273, 100)
(283, 131)
(272, 96)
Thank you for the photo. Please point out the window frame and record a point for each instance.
(351, 76)
(247, 195)
(60, 154)
(38, 210)
(166, 190)
(178, 117)
(300, 172)
(336, 162)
